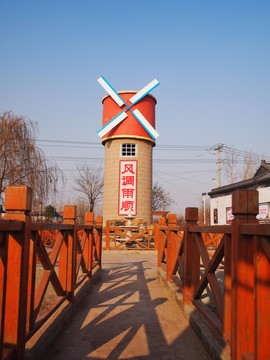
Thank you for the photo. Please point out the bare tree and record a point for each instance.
(21, 161)
(181, 220)
(250, 167)
(160, 199)
(230, 166)
(82, 208)
(90, 183)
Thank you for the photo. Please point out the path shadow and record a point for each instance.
(119, 320)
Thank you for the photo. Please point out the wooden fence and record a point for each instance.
(239, 307)
(130, 238)
(28, 269)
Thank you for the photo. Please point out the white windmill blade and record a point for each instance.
(110, 90)
(146, 90)
(149, 128)
(111, 124)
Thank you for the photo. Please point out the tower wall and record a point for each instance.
(111, 178)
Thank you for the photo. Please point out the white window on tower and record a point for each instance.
(128, 149)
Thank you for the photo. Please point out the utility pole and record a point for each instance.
(218, 148)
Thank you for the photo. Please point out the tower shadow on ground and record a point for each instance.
(124, 317)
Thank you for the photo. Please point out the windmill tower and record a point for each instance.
(128, 135)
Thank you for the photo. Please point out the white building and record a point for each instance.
(221, 198)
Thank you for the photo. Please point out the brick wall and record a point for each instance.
(111, 178)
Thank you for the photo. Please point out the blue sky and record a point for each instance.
(211, 59)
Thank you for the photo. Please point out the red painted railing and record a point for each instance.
(240, 304)
(129, 238)
(28, 269)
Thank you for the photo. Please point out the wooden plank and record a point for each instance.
(3, 280)
(227, 309)
(213, 229)
(264, 243)
(35, 226)
(208, 315)
(11, 225)
(262, 301)
(209, 275)
(255, 229)
(177, 281)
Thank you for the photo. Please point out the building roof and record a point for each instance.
(261, 178)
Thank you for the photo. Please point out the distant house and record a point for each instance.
(221, 198)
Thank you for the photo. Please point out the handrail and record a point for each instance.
(240, 252)
(35, 226)
(214, 229)
(255, 229)
(11, 225)
(74, 254)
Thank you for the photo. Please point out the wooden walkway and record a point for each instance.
(128, 315)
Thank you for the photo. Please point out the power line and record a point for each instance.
(75, 146)
(98, 144)
(168, 160)
(177, 187)
(69, 142)
(243, 153)
(160, 147)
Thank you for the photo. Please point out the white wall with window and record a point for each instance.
(221, 205)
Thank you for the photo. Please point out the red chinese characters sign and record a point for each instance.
(128, 187)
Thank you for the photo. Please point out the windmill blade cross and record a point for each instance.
(123, 115)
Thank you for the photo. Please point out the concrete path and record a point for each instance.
(128, 315)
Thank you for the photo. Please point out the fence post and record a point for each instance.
(156, 235)
(89, 220)
(107, 235)
(18, 204)
(191, 273)
(262, 298)
(70, 218)
(99, 220)
(161, 241)
(171, 248)
(227, 311)
(245, 209)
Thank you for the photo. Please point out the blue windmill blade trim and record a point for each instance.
(152, 131)
(149, 132)
(106, 125)
(112, 92)
(144, 94)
